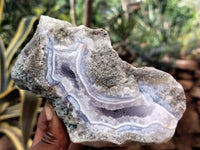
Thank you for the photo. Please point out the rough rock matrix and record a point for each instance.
(102, 100)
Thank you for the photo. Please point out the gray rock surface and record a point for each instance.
(102, 100)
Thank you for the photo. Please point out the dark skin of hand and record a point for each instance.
(51, 134)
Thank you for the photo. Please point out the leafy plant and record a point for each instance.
(18, 108)
(15, 10)
(120, 29)
(191, 39)
(159, 32)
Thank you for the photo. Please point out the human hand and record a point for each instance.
(51, 134)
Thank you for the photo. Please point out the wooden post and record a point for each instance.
(73, 12)
(88, 13)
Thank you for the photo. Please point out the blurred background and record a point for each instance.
(164, 34)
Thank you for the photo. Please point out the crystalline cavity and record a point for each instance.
(102, 100)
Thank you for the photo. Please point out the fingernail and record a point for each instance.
(48, 111)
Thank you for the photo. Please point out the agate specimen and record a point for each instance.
(102, 100)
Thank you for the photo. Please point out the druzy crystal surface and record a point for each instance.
(102, 100)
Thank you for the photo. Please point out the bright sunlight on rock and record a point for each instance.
(102, 100)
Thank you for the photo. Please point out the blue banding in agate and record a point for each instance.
(123, 128)
(49, 71)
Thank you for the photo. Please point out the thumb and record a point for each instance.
(55, 125)
(52, 132)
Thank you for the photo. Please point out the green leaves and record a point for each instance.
(8, 55)
(10, 95)
(9, 109)
(23, 30)
(30, 103)
(9, 106)
(15, 104)
(14, 134)
(3, 84)
(1, 9)
(22, 106)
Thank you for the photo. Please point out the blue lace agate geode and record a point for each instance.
(102, 100)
